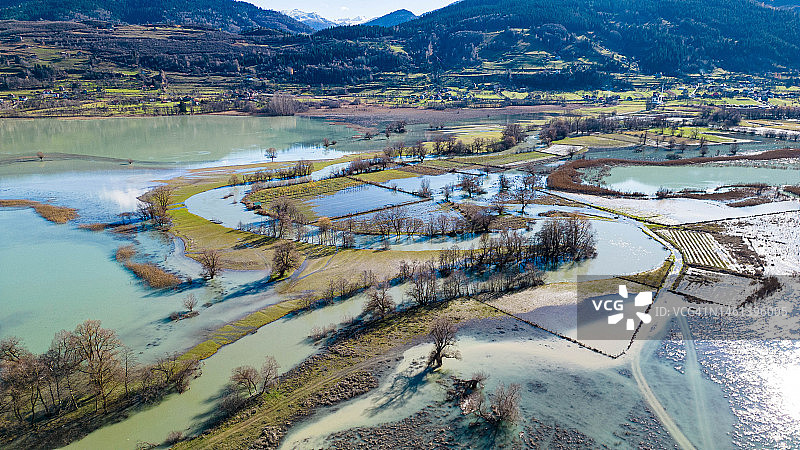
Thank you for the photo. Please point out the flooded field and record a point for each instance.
(706, 177)
(55, 276)
(358, 199)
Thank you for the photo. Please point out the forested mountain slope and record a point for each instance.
(229, 15)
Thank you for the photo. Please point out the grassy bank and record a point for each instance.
(309, 384)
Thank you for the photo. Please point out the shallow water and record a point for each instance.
(357, 199)
(180, 139)
(649, 153)
(561, 384)
(56, 276)
(648, 179)
(285, 339)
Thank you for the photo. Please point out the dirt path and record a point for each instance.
(647, 393)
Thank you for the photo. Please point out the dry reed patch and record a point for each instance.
(56, 214)
(125, 253)
(53, 213)
(153, 275)
(92, 226)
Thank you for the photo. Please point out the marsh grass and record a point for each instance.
(53, 213)
(153, 275)
(125, 253)
(92, 226)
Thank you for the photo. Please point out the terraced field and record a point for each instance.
(700, 248)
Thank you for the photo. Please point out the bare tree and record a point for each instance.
(500, 202)
(245, 377)
(285, 258)
(524, 196)
(447, 190)
(424, 285)
(190, 302)
(286, 213)
(380, 302)
(471, 185)
(98, 348)
(269, 373)
(211, 262)
(324, 225)
(443, 333)
(504, 401)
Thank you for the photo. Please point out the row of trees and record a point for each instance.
(87, 364)
(300, 169)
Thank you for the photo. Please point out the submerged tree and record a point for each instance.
(502, 406)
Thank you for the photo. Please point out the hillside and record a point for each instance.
(392, 19)
(669, 36)
(228, 15)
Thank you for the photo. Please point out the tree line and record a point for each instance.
(88, 365)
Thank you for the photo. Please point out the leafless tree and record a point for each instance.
(269, 373)
(156, 205)
(380, 302)
(286, 213)
(98, 349)
(471, 185)
(503, 407)
(211, 262)
(285, 258)
(190, 302)
(282, 104)
(245, 377)
(443, 333)
(447, 190)
(324, 226)
(424, 285)
(500, 202)
(524, 196)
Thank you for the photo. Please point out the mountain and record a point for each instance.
(348, 21)
(393, 18)
(228, 15)
(782, 4)
(311, 19)
(666, 36)
(317, 22)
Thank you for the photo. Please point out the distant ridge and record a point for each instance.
(311, 19)
(228, 15)
(392, 19)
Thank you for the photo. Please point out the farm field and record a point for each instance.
(700, 248)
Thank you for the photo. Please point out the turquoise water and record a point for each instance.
(648, 179)
(54, 277)
(187, 139)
